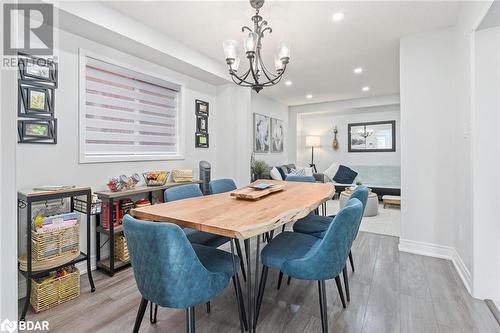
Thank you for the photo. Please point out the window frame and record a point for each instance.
(83, 158)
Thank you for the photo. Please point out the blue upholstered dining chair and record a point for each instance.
(221, 186)
(197, 237)
(306, 257)
(172, 272)
(315, 225)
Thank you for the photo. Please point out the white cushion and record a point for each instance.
(275, 174)
(332, 170)
(309, 171)
(298, 172)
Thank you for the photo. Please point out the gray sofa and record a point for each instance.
(382, 179)
(318, 176)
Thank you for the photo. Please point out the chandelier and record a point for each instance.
(258, 75)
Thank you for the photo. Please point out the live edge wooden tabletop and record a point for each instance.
(225, 215)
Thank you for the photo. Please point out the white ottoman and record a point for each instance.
(371, 208)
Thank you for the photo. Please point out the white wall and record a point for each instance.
(336, 109)
(269, 107)
(428, 96)
(486, 166)
(322, 124)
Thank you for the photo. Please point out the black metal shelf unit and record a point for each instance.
(30, 197)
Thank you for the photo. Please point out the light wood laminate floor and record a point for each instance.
(391, 291)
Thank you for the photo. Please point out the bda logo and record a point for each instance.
(8, 326)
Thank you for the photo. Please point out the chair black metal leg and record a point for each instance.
(241, 305)
(351, 260)
(323, 306)
(140, 314)
(242, 264)
(208, 307)
(152, 318)
(190, 319)
(260, 295)
(283, 228)
(279, 280)
(346, 283)
(289, 280)
(341, 293)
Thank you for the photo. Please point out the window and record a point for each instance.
(126, 115)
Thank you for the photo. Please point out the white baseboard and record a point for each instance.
(82, 267)
(439, 251)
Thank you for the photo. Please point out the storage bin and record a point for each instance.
(121, 249)
(47, 294)
(50, 245)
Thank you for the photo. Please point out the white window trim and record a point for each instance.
(83, 54)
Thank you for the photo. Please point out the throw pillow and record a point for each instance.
(275, 174)
(298, 172)
(345, 175)
(309, 171)
(332, 170)
(283, 172)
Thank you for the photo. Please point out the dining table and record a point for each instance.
(226, 215)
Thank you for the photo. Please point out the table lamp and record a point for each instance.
(313, 141)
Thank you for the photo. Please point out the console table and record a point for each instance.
(109, 265)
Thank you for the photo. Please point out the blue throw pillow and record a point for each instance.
(345, 175)
(282, 172)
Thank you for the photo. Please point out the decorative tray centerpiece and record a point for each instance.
(257, 191)
(155, 178)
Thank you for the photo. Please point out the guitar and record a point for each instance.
(335, 143)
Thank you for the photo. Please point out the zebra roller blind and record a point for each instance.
(128, 114)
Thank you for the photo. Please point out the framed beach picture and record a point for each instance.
(36, 69)
(35, 100)
(201, 140)
(37, 131)
(201, 107)
(277, 135)
(261, 133)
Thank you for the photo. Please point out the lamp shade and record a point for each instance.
(313, 141)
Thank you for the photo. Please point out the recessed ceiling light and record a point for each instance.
(366, 88)
(309, 96)
(358, 70)
(338, 16)
(288, 83)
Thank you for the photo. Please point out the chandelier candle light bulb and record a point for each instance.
(258, 75)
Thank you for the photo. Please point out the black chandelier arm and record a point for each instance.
(276, 79)
(241, 79)
(252, 70)
(241, 83)
(246, 28)
(266, 71)
(266, 29)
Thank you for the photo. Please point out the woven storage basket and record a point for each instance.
(54, 244)
(48, 294)
(180, 176)
(121, 249)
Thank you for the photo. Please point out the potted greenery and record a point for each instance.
(258, 168)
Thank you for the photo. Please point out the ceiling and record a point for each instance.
(323, 52)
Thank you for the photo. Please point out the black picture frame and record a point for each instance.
(27, 90)
(356, 150)
(201, 140)
(27, 131)
(202, 124)
(201, 107)
(37, 70)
